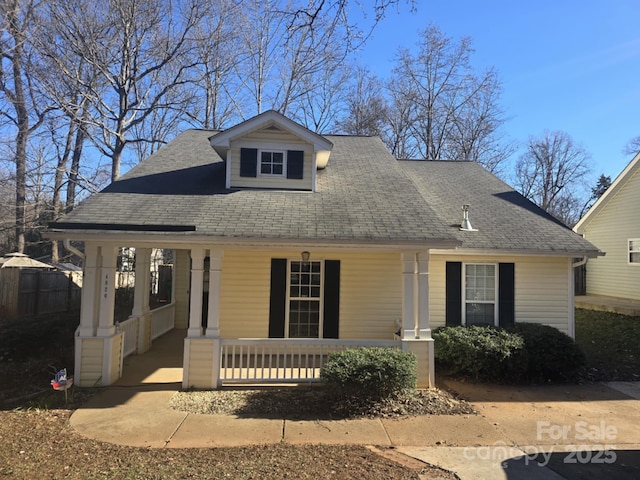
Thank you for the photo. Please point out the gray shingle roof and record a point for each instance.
(363, 196)
(505, 220)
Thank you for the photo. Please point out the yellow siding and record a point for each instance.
(370, 293)
(265, 139)
(610, 230)
(244, 293)
(200, 363)
(182, 276)
(541, 288)
(92, 354)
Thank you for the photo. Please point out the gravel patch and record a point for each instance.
(316, 402)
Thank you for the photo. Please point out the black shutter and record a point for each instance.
(331, 319)
(295, 164)
(248, 162)
(506, 294)
(454, 293)
(277, 303)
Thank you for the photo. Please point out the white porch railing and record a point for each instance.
(130, 329)
(162, 320)
(282, 360)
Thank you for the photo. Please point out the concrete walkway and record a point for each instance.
(552, 432)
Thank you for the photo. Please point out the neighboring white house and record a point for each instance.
(289, 244)
(613, 225)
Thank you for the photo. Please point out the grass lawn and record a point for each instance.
(611, 343)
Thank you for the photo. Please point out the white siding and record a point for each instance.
(609, 230)
(270, 140)
(541, 288)
(370, 293)
(115, 343)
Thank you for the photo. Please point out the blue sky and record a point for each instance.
(565, 64)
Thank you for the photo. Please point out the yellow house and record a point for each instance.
(289, 245)
(613, 225)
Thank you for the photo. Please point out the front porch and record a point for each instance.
(232, 336)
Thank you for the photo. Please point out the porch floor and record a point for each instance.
(623, 306)
(160, 365)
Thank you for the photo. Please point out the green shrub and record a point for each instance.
(480, 352)
(371, 373)
(553, 355)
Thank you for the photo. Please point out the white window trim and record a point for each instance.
(284, 163)
(320, 300)
(629, 251)
(496, 320)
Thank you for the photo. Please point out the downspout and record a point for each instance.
(572, 282)
(67, 244)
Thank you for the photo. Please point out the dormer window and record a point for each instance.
(272, 163)
(271, 151)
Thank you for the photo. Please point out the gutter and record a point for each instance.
(580, 262)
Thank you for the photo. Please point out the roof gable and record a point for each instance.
(621, 180)
(270, 120)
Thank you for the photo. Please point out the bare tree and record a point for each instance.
(455, 113)
(321, 105)
(367, 108)
(550, 173)
(633, 146)
(22, 109)
(216, 90)
(138, 48)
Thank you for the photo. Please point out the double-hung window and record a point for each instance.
(634, 251)
(305, 299)
(272, 163)
(480, 294)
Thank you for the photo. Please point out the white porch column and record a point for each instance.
(90, 295)
(141, 291)
(197, 288)
(416, 332)
(107, 290)
(409, 312)
(142, 286)
(424, 327)
(215, 277)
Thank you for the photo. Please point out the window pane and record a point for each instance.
(634, 257)
(480, 313)
(480, 293)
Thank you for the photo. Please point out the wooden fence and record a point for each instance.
(32, 292)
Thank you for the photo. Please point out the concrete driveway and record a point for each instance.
(548, 432)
